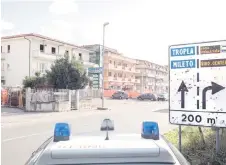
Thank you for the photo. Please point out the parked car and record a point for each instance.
(162, 97)
(120, 95)
(147, 96)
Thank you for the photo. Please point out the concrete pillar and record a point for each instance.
(28, 99)
(77, 99)
(69, 99)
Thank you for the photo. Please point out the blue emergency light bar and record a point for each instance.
(62, 132)
(150, 130)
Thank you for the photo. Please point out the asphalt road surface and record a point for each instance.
(22, 133)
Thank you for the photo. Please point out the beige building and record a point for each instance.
(119, 71)
(152, 77)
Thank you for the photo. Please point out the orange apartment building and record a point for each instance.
(119, 72)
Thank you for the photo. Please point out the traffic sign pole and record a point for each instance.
(217, 140)
(180, 137)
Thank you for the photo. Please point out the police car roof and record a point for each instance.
(127, 148)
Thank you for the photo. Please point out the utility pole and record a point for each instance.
(104, 25)
(142, 83)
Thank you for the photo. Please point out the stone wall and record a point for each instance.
(58, 100)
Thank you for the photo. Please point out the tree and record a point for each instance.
(67, 75)
(34, 81)
(77, 65)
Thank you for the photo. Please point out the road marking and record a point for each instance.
(37, 134)
(34, 121)
(22, 137)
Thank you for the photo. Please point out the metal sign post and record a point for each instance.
(179, 141)
(197, 85)
(217, 140)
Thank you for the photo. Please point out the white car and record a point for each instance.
(147, 148)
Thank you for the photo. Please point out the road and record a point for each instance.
(22, 133)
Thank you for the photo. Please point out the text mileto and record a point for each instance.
(197, 84)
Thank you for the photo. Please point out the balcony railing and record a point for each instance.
(3, 56)
(3, 75)
(122, 79)
(47, 56)
(88, 64)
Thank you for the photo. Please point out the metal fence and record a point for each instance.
(89, 93)
(85, 98)
(49, 95)
(16, 97)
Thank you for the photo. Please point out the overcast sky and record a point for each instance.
(138, 28)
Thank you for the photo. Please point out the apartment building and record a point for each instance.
(153, 77)
(119, 71)
(23, 55)
(97, 58)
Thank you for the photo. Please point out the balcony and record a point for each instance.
(151, 83)
(114, 67)
(137, 71)
(112, 79)
(122, 79)
(151, 75)
(45, 56)
(137, 81)
(3, 75)
(3, 56)
(88, 64)
(141, 66)
(160, 76)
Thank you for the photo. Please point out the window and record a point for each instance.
(42, 67)
(73, 57)
(3, 82)
(8, 48)
(1, 49)
(109, 73)
(2, 66)
(66, 52)
(53, 50)
(42, 48)
(80, 56)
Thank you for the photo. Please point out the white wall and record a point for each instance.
(18, 58)
(72, 50)
(17, 61)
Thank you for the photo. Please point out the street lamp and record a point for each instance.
(104, 25)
